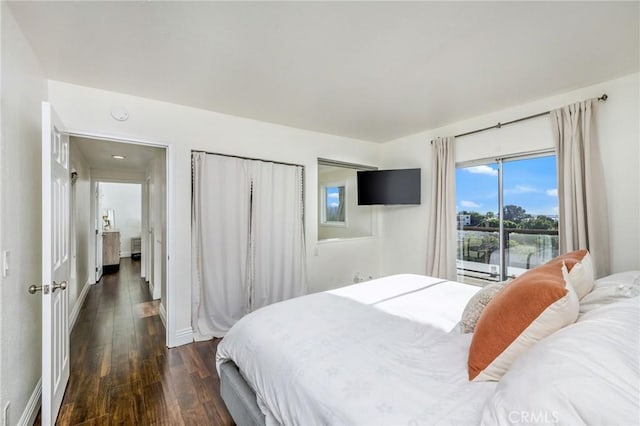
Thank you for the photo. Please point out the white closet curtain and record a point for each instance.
(583, 220)
(220, 239)
(277, 234)
(441, 239)
(247, 239)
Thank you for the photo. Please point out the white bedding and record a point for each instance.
(381, 352)
(585, 374)
(378, 352)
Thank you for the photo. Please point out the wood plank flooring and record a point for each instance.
(121, 370)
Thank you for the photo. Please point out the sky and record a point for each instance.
(333, 197)
(530, 184)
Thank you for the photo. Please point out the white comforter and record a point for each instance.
(378, 353)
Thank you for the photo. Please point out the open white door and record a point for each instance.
(99, 234)
(56, 184)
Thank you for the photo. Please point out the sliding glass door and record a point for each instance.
(507, 217)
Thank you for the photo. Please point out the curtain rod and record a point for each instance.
(603, 98)
(248, 158)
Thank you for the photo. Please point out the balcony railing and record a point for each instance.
(478, 258)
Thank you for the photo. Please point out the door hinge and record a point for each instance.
(96, 269)
(96, 232)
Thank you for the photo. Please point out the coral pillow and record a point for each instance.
(535, 305)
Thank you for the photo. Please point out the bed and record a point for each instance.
(389, 351)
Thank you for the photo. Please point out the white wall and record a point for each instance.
(125, 199)
(23, 89)
(86, 110)
(403, 244)
(83, 226)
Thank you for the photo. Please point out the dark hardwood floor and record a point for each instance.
(121, 370)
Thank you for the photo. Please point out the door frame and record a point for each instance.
(97, 268)
(169, 297)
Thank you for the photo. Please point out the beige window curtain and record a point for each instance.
(583, 222)
(441, 239)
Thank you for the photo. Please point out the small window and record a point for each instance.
(334, 210)
(339, 215)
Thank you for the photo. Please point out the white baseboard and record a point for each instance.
(163, 315)
(78, 306)
(183, 337)
(150, 284)
(30, 412)
(156, 294)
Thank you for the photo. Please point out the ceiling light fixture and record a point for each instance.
(119, 157)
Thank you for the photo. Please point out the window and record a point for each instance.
(339, 215)
(507, 215)
(334, 208)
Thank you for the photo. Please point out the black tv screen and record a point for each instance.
(389, 187)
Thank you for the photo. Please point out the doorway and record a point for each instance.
(120, 191)
(119, 212)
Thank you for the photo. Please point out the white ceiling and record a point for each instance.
(99, 154)
(369, 70)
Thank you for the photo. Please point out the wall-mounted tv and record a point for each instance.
(388, 187)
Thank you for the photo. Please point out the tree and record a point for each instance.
(490, 222)
(515, 213)
(538, 222)
(510, 224)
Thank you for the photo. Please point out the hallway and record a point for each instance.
(121, 370)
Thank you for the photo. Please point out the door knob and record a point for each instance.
(61, 286)
(35, 288)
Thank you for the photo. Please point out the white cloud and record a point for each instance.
(334, 204)
(521, 189)
(469, 204)
(482, 170)
(333, 195)
(552, 192)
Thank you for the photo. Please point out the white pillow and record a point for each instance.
(611, 289)
(581, 276)
(476, 305)
(587, 372)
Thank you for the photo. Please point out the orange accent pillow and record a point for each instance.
(535, 305)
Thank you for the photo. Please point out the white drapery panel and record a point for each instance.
(247, 239)
(220, 243)
(441, 238)
(583, 222)
(277, 234)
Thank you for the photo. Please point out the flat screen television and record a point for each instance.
(401, 186)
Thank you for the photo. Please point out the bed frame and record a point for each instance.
(240, 399)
